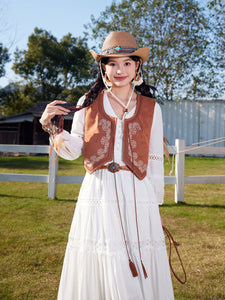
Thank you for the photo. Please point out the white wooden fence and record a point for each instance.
(179, 180)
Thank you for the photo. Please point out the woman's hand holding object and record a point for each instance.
(53, 109)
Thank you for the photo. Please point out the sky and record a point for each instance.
(18, 18)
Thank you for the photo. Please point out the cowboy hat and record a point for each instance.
(118, 44)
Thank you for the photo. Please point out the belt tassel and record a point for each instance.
(133, 268)
(144, 271)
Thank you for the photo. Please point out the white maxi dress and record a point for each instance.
(96, 263)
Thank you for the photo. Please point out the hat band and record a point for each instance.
(118, 49)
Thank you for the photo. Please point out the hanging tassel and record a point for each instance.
(144, 271)
(166, 152)
(133, 268)
(57, 142)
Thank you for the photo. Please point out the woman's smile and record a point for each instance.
(120, 78)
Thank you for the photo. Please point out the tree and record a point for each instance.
(217, 24)
(53, 65)
(215, 51)
(176, 31)
(16, 98)
(217, 17)
(4, 58)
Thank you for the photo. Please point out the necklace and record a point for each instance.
(125, 106)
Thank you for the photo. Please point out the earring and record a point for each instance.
(137, 79)
(106, 81)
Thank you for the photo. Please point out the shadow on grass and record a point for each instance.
(24, 163)
(16, 196)
(65, 200)
(32, 197)
(36, 162)
(194, 205)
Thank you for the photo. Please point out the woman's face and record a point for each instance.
(121, 70)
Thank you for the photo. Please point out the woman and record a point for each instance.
(116, 248)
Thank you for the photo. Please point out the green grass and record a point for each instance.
(195, 166)
(34, 230)
(198, 226)
(39, 165)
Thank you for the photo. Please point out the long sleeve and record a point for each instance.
(155, 170)
(72, 145)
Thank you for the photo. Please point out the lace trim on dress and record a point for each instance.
(101, 202)
(110, 248)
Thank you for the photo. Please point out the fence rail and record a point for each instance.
(179, 180)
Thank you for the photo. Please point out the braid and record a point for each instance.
(97, 87)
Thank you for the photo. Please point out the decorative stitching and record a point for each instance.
(135, 128)
(105, 125)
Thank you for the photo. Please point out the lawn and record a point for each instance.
(34, 230)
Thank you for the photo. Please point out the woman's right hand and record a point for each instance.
(53, 109)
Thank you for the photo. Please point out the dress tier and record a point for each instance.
(96, 263)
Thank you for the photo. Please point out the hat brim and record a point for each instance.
(143, 53)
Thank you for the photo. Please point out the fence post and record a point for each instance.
(179, 170)
(53, 171)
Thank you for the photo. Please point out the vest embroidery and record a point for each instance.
(105, 125)
(134, 129)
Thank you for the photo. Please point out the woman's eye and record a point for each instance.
(112, 64)
(127, 63)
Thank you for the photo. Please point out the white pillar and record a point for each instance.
(179, 170)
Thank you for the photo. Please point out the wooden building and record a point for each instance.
(25, 128)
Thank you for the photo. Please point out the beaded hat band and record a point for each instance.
(118, 49)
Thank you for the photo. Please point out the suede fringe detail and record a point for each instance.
(133, 268)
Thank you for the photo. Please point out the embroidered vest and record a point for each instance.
(100, 131)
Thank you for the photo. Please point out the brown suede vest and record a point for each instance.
(100, 131)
